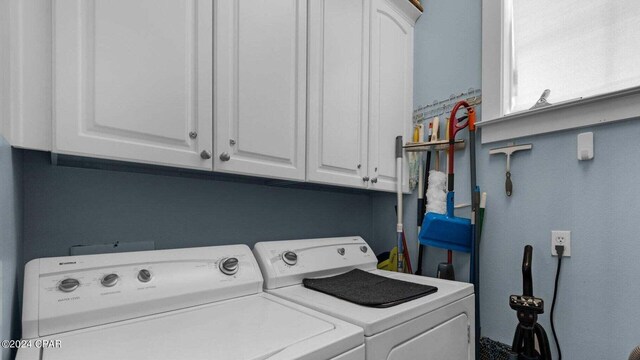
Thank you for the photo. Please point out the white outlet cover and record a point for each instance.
(561, 237)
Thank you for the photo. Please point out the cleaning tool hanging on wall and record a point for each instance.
(399, 227)
(437, 185)
(508, 151)
(435, 137)
(423, 182)
(445, 270)
(415, 159)
(437, 201)
(474, 268)
(447, 231)
(483, 206)
(407, 258)
(437, 192)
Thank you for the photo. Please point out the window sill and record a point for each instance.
(595, 110)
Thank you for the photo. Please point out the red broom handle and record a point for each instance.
(454, 127)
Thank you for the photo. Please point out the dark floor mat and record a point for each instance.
(367, 289)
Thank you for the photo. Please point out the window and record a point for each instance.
(584, 52)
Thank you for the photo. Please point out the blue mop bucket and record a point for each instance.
(446, 232)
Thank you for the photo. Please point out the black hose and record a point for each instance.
(553, 304)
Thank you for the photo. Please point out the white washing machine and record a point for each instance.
(439, 326)
(197, 304)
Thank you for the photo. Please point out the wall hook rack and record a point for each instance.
(442, 107)
(508, 151)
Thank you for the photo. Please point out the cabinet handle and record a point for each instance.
(366, 178)
(206, 155)
(374, 180)
(193, 134)
(225, 156)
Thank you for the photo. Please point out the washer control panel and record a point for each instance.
(285, 263)
(68, 293)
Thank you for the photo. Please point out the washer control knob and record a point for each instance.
(229, 266)
(290, 258)
(364, 249)
(109, 280)
(144, 275)
(68, 285)
(341, 251)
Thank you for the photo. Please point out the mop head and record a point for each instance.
(437, 192)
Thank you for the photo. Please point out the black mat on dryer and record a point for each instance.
(367, 289)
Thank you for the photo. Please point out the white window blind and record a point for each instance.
(575, 48)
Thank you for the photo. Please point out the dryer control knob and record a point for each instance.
(144, 275)
(109, 280)
(68, 285)
(341, 251)
(364, 249)
(290, 258)
(229, 266)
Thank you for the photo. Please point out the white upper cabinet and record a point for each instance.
(25, 73)
(313, 90)
(133, 80)
(360, 90)
(260, 80)
(391, 92)
(338, 92)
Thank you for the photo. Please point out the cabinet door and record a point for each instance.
(260, 100)
(133, 80)
(391, 93)
(338, 92)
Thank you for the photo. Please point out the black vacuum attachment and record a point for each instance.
(528, 307)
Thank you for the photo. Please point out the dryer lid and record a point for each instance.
(375, 320)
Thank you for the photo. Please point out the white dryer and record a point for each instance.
(197, 304)
(439, 326)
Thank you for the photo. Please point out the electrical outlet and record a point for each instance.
(561, 238)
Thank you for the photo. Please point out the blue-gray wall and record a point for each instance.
(598, 200)
(66, 206)
(10, 242)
